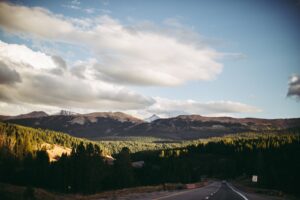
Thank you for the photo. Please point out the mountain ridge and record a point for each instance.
(99, 125)
(152, 118)
(33, 114)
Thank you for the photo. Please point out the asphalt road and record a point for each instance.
(214, 191)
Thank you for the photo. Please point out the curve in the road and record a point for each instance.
(214, 191)
(196, 194)
(243, 196)
(226, 192)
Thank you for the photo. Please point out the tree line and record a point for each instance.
(273, 157)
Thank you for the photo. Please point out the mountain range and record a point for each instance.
(101, 125)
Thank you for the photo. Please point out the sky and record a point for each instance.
(214, 58)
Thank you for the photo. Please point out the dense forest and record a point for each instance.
(274, 157)
(27, 139)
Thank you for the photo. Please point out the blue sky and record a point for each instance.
(234, 58)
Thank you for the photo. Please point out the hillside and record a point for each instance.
(196, 126)
(34, 114)
(22, 139)
(32, 139)
(91, 126)
(99, 125)
(85, 170)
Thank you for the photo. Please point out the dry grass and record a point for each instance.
(55, 151)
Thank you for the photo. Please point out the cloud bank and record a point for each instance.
(7, 75)
(294, 86)
(35, 83)
(168, 107)
(29, 77)
(136, 55)
(141, 55)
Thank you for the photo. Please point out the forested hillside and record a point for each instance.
(20, 140)
(273, 157)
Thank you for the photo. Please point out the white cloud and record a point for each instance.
(167, 107)
(89, 10)
(41, 86)
(75, 5)
(22, 55)
(35, 86)
(31, 20)
(294, 86)
(137, 55)
(142, 54)
(75, 2)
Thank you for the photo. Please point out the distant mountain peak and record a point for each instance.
(65, 113)
(38, 113)
(152, 118)
(34, 114)
(113, 115)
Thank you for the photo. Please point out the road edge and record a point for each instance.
(236, 191)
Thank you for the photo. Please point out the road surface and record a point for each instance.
(214, 191)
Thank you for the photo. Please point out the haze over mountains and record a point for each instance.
(101, 125)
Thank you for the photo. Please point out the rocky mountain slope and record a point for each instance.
(34, 114)
(91, 126)
(116, 124)
(196, 126)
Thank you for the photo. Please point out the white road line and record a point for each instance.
(243, 196)
(171, 195)
(178, 193)
(211, 194)
(217, 189)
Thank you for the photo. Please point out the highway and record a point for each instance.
(214, 191)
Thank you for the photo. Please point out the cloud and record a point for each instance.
(79, 90)
(168, 107)
(14, 53)
(139, 54)
(142, 54)
(89, 10)
(61, 63)
(30, 20)
(8, 76)
(75, 2)
(40, 86)
(294, 86)
(73, 5)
